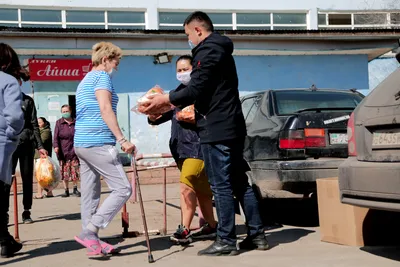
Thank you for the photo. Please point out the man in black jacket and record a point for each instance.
(29, 140)
(213, 89)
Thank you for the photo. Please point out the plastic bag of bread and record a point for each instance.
(187, 114)
(156, 90)
(47, 173)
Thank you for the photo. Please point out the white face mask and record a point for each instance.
(191, 45)
(183, 77)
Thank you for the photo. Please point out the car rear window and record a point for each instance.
(289, 102)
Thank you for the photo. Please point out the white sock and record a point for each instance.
(92, 228)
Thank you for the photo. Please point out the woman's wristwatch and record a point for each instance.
(122, 140)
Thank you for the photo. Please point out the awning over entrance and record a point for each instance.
(76, 42)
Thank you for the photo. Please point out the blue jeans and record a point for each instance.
(226, 170)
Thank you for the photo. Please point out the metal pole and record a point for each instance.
(146, 232)
(15, 191)
(125, 221)
(165, 199)
(133, 184)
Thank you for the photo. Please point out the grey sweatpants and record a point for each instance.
(95, 162)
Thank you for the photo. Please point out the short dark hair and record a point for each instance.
(184, 57)
(66, 106)
(9, 63)
(201, 17)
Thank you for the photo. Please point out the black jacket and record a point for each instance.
(185, 141)
(214, 91)
(31, 132)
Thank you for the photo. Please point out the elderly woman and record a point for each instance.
(96, 133)
(64, 132)
(11, 124)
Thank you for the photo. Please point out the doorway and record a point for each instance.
(72, 104)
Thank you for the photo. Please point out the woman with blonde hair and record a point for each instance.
(96, 133)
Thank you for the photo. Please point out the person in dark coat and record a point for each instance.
(64, 133)
(11, 124)
(29, 140)
(213, 89)
(47, 140)
(185, 148)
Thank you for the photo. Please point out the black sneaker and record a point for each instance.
(181, 236)
(76, 192)
(66, 194)
(219, 248)
(205, 232)
(9, 247)
(258, 242)
(26, 217)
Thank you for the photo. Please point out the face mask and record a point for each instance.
(191, 45)
(183, 77)
(66, 115)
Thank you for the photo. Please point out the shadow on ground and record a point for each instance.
(295, 212)
(159, 243)
(68, 217)
(277, 238)
(53, 248)
(286, 236)
(391, 253)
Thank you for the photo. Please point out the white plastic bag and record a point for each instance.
(156, 90)
(187, 115)
(47, 173)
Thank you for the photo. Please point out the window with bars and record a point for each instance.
(359, 20)
(99, 19)
(239, 21)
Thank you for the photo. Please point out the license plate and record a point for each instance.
(338, 139)
(386, 139)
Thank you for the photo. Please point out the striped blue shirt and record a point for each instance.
(90, 129)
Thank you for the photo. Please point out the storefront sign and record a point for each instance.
(59, 69)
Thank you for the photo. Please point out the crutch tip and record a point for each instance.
(151, 259)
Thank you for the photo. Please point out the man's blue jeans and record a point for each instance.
(226, 170)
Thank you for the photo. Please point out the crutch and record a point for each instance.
(139, 192)
(15, 189)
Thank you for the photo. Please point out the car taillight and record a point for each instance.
(315, 137)
(300, 139)
(292, 140)
(351, 137)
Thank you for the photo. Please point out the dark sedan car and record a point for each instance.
(370, 177)
(295, 136)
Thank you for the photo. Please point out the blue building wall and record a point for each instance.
(137, 74)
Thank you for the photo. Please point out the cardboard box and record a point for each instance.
(339, 223)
